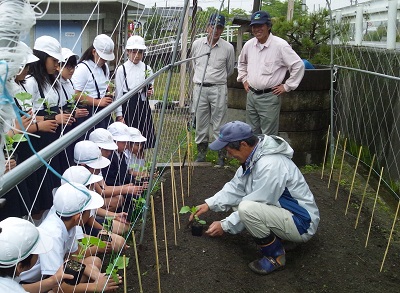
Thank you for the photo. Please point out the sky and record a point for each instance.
(246, 4)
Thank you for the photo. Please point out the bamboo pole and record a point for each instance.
(341, 168)
(352, 181)
(174, 196)
(373, 209)
(165, 226)
(180, 173)
(137, 262)
(333, 161)
(326, 151)
(173, 210)
(153, 215)
(365, 191)
(189, 162)
(125, 287)
(390, 236)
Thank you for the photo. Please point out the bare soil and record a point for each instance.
(335, 260)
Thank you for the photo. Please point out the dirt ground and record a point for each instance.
(335, 260)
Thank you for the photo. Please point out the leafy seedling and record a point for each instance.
(10, 140)
(86, 243)
(25, 98)
(192, 210)
(115, 265)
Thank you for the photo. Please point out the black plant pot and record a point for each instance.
(76, 269)
(197, 230)
(105, 237)
(50, 117)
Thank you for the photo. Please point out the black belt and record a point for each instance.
(206, 84)
(260, 92)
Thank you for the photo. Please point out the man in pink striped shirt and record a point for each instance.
(262, 68)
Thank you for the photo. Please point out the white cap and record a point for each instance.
(119, 131)
(29, 58)
(74, 198)
(87, 152)
(80, 174)
(49, 45)
(103, 138)
(66, 54)
(19, 238)
(136, 42)
(136, 135)
(104, 46)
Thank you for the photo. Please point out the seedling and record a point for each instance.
(81, 97)
(25, 98)
(107, 225)
(192, 210)
(47, 108)
(10, 140)
(86, 243)
(110, 88)
(71, 104)
(115, 265)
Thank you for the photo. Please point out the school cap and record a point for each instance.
(74, 198)
(260, 17)
(135, 42)
(103, 139)
(50, 46)
(218, 19)
(29, 57)
(120, 131)
(136, 135)
(230, 132)
(104, 46)
(88, 153)
(19, 238)
(80, 174)
(66, 54)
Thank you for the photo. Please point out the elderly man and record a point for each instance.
(262, 68)
(210, 94)
(268, 194)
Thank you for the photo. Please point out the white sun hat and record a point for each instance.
(135, 42)
(88, 153)
(103, 138)
(136, 135)
(29, 58)
(19, 238)
(49, 45)
(79, 174)
(74, 198)
(119, 131)
(104, 46)
(66, 54)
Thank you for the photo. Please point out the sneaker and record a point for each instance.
(267, 265)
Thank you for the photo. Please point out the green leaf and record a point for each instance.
(119, 262)
(201, 222)
(185, 209)
(23, 96)
(19, 137)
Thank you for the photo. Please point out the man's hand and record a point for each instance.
(279, 89)
(246, 86)
(201, 209)
(215, 229)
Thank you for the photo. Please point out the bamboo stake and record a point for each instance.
(373, 209)
(189, 163)
(125, 287)
(365, 191)
(333, 161)
(326, 151)
(174, 196)
(341, 167)
(165, 226)
(180, 173)
(173, 209)
(137, 262)
(352, 181)
(390, 236)
(153, 215)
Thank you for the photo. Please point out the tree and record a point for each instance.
(278, 8)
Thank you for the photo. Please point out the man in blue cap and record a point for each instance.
(262, 66)
(210, 94)
(268, 195)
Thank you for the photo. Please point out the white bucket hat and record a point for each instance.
(80, 174)
(74, 198)
(135, 42)
(136, 135)
(87, 152)
(19, 238)
(103, 138)
(29, 58)
(49, 45)
(66, 54)
(119, 131)
(104, 46)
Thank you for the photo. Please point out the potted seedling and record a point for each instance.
(50, 114)
(115, 265)
(76, 268)
(107, 225)
(25, 98)
(197, 224)
(110, 89)
(70, 106)
(143, 175)
(9, 144)
(138, 203)
(81, 99)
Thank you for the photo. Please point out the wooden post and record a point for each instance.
(165, 226)
(341, 167)
(333, 160)
(180, 173)
(390, 236)
(137, 261)
(125, 287)
(352, 181)
(153, 215)
(174, 196)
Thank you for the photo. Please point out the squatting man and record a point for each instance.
(268, 195)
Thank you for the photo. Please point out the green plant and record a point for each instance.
(47, 107)
(115, 265)
(192, 210)
(110, 88)
(25, 98)
(10, 140)
(107, 225)
(86, 243)
(81, 97)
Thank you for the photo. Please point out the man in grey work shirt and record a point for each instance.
(211, 94)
